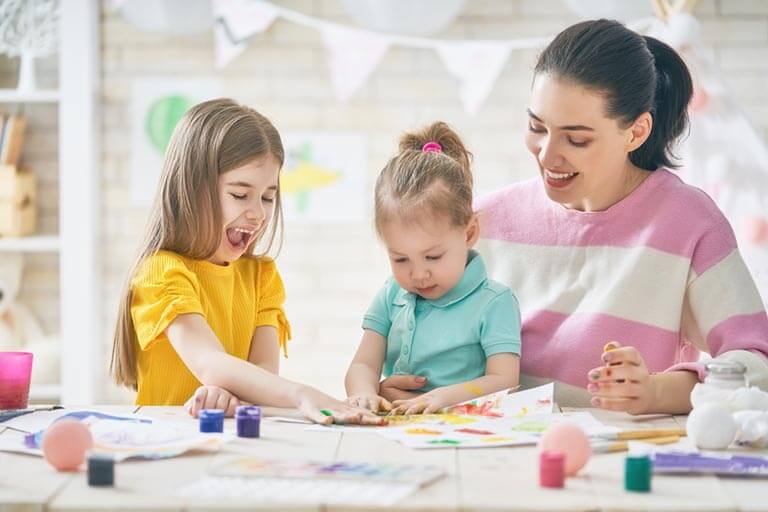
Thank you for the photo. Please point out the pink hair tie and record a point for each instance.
(432, 147)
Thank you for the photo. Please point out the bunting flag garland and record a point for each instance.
(236, 21)
(353, 54)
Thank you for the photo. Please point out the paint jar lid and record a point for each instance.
(551, 469)
(248, 411)
(211, 414)
(637, 473)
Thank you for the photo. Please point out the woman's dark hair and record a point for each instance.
(635, 74)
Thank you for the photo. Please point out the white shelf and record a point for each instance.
(41, 96)
(46, 393)
(35, 243)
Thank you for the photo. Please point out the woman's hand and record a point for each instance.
(428, 403)
(400, 387)
(371, 402)
(623, 383)
(323, 409)
(212, 397)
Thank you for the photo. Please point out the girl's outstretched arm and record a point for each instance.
(362, 380)
(502, 371)
(197, 345)
(264, 353)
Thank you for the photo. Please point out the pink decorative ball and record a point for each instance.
(65, 443)
(569, 440)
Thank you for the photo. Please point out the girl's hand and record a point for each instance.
(623, 384)
(212, 397)
(370, 402)
(323, 409)
(400, 387)
(427, 403)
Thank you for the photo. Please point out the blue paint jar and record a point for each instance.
(211, 420)
(248, 418)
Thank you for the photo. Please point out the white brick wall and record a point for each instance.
(332, 272)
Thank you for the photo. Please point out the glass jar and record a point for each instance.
(723, 377)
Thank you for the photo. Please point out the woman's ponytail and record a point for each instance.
(674, 89)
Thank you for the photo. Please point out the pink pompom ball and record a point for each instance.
(569, 440)
(65, 443)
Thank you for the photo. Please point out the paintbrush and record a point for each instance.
(642, 434)
(620, 446)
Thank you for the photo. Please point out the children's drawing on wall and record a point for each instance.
(323, 179)
(157, 105)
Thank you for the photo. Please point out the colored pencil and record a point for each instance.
(620, 446)
(644, 434)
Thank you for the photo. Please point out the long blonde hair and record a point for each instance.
(417, 182)
(212, 138)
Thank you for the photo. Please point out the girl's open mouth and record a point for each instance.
(239, 237)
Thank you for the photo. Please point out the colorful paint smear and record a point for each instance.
(450, 442)
(475, 431)
(432, 419)
(423, 432)
(531, 426)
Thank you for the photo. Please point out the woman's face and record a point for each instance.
(582, 154)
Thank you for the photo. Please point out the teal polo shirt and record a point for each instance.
(447, 340)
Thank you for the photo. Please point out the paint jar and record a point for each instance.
(211, 420)
(552, 469)
(723, 377)
(248, 419)
(15, 375)
(101, 470)
(637, 473)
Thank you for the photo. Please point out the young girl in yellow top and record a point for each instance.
(199, 308)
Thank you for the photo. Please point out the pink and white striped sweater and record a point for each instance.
(660, 270)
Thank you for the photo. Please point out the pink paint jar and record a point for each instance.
(15, 374)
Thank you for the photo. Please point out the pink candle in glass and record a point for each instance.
(15, 374)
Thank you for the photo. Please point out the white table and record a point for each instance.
(477, 479)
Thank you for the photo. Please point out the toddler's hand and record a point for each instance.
(212, 397)
(427, 403)
(371, 402)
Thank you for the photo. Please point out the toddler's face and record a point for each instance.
(428, 257)
(247, 195)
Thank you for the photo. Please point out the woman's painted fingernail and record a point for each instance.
(420, 379)
(594, 374)
(592, 388)
(595, 401)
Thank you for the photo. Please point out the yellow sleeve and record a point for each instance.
(271, 300)
(162, 289)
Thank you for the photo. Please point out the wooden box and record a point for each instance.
(18, 201)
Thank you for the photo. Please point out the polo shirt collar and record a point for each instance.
(474, 276)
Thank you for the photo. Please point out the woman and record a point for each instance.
(607, 244)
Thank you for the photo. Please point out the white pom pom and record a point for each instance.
(753, 428)
(748, 399)
(711, 427)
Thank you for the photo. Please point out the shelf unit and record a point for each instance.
(78, 151)
(41, 96)
(35, 243)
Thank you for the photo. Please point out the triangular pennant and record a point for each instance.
(477, 66)
(235, 21)
(352, 56)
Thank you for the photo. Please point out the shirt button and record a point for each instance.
(405, 350)
(410, 325)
